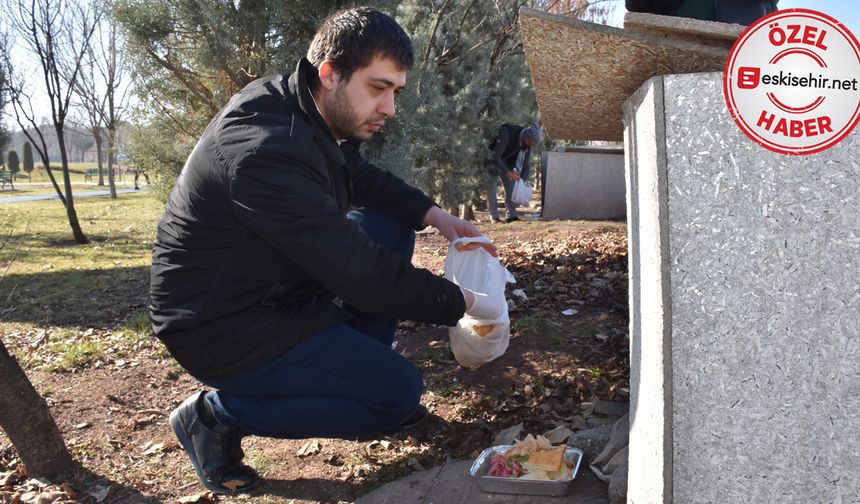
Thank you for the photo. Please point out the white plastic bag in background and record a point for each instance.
(478, 341)
(522, 193)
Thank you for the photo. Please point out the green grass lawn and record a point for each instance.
(38, 188)
(48, 282)
(76, 174)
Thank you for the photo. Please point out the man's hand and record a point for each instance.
(452, 228)
(513, 175)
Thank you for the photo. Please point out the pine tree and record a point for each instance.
(191, 55)
(470, 77)
(28, 158)
(13, 163)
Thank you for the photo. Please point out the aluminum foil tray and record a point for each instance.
(573, 456)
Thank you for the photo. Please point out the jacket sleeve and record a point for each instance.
(501, 145)
(381, 190)
(287, 207)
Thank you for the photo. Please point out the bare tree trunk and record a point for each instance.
(25, 418)
(97, 136)
(77, 232)
(110, 163)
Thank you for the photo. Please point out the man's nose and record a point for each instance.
(386, 107)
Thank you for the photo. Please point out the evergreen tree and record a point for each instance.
(13, 163)
(5, 138)
(28, 158)
(470, 77)
(191, 55)
(150, 150)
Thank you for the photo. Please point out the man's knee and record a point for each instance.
(401, 396)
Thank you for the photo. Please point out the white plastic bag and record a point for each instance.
(478, 271)
(522, 193)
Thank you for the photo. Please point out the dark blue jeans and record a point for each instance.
(342, 382)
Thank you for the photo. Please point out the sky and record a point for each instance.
(844, 11)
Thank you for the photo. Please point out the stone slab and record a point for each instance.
(650, 444)
(583, 72)
(681, 28)
(744, 289)
(584, 184)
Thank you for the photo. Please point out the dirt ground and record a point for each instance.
(569, 346)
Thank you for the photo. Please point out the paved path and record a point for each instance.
(81, 194)
(452, 484)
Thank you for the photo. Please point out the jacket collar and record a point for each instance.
(300, 83)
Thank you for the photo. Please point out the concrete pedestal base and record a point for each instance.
(584, 183)
(744, 307)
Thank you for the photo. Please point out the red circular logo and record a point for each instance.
(792, 81)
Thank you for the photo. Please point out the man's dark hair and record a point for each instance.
(351, 38)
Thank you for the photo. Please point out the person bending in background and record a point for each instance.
(511, 153)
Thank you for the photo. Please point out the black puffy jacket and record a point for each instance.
(506, 147)
(254, 243)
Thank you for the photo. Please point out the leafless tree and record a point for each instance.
(114, 71)
(25, 417)
(58, 34)
(25, 116)
(90, 112)
(104, 92)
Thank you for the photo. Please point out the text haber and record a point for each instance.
(794, 128)
(797, 34)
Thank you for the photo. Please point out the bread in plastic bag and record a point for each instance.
(476, 341)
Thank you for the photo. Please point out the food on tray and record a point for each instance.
(531, 458)
(505, 468)
(483, 330)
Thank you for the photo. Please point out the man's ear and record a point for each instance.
(329, 75)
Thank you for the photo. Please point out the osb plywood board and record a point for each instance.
(678, 28)
(582, 72)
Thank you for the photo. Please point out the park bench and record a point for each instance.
(89, 173)
(6, 179)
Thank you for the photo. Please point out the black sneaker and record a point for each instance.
(421, 414)
(512, 219)
(215, 453)
(416, 419)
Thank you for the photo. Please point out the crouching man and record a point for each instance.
(268, 289)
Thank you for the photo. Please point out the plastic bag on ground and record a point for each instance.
(477, 341)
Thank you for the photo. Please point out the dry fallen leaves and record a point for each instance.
(232, 485)
(309, 448)
(198, 497)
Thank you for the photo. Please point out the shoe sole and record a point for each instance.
(188, 446)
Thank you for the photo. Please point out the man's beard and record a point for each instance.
(342, 116)
(343, 119)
